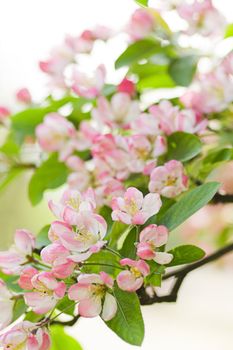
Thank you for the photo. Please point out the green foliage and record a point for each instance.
(61, 340)
(143, 3)
(102, 261)
(183, 146)
(128, 323)
(229, 31)
(11, 282)
(162, 80)
(10, 147)
(137, 51)
(117, 230)
(33, 317)
(67, 305)
(42, 239)
(186, 254)
(188, 204)
(50, 175)
(19, 308)
(128, 249)
(183, 69)
(9, 177)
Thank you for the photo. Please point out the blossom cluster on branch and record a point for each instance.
(133, 172)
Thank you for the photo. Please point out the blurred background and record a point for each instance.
(203, 316)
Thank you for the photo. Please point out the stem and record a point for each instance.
(113, 251)
(180, 275)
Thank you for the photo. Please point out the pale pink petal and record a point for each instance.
(109, 307)
(163, 258)
(80, 292)
(90, 307)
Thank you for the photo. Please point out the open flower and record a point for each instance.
(153, 237)
(25, 336)
(12, 260)
(89, 86)
(47, 291)
(168, 180)
(6, 305)
(133, 208)
(118, 112)
(71, 204)
(93, 292)
(132, 279)
(141, 24)
(87, 238)
(58, 256)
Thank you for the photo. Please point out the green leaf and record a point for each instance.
(11, 282)
(9, 177)
(51, 174)
(102, 261)
(128, 249)
(183, 146)
(218, 156)
(118, 228)
(42, 239)
(154, 279)
(188, 204)
(183, 69)
(185, 254)
(156, 81)
(10, 148)
(66, 305)
(19, 308)
(25, 122)
(62, 341)
(229, 31)
(33, 317)
(128, 323)
(137, 51)
(148, 69)
(143, 3)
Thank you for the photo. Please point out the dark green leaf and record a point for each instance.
(186, 254)
(33, 317)
(137, 51)
(51, 174)
(128, 249)
(102, 261)
(182, 69)
(66, 305)
(188, 204)
(154, 279)
(42, 239)
(128, 323)
(183, 146)
(118, 228)
(62, 341)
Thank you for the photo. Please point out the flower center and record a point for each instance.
(74, 203)
(132, 207)
(98, 290)
(135, 272)
(171, 181)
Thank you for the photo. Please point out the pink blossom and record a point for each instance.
(12, 260)
(168, 180)
(4, 113)
(141, 24)
(133, 208)
(102, 32)
(93, 292)
(47, 291)
(153, 237)
(58, 256)
(26, 277)
(82, 43)
(146, 124)
(108, 189)
(80, 178)
(203, 18)
(132, 279)
(25, 336)
(140, 150)
(24, 95)
(71, 204)
(89, 86)
(87, 238)
(6, 305)
(127, 86)
(119, 111)
(56, 134)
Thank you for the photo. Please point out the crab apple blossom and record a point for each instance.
(141, 24)
(118, 112)
(4, 113)
(71, 204)
(86, 239)
(89, 86)
(127, 86)
(12, 260)
(146, 124)
(57, 255)
(25, 279)
(202, 18)
(47, 291)
(108, 189)
(132, 279)
(169, 179)
(23, 95)
(133, 208)
(26, 336)
(93, 294)
(56, 133)
(6, 305)
(151, 238)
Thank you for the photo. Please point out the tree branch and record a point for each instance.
(180, 275)
(222, 198)
(65, 323)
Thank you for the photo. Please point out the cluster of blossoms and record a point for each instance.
(115, 151)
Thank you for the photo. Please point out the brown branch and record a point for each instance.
(180, 275)
(222, 198)
(65, 323)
